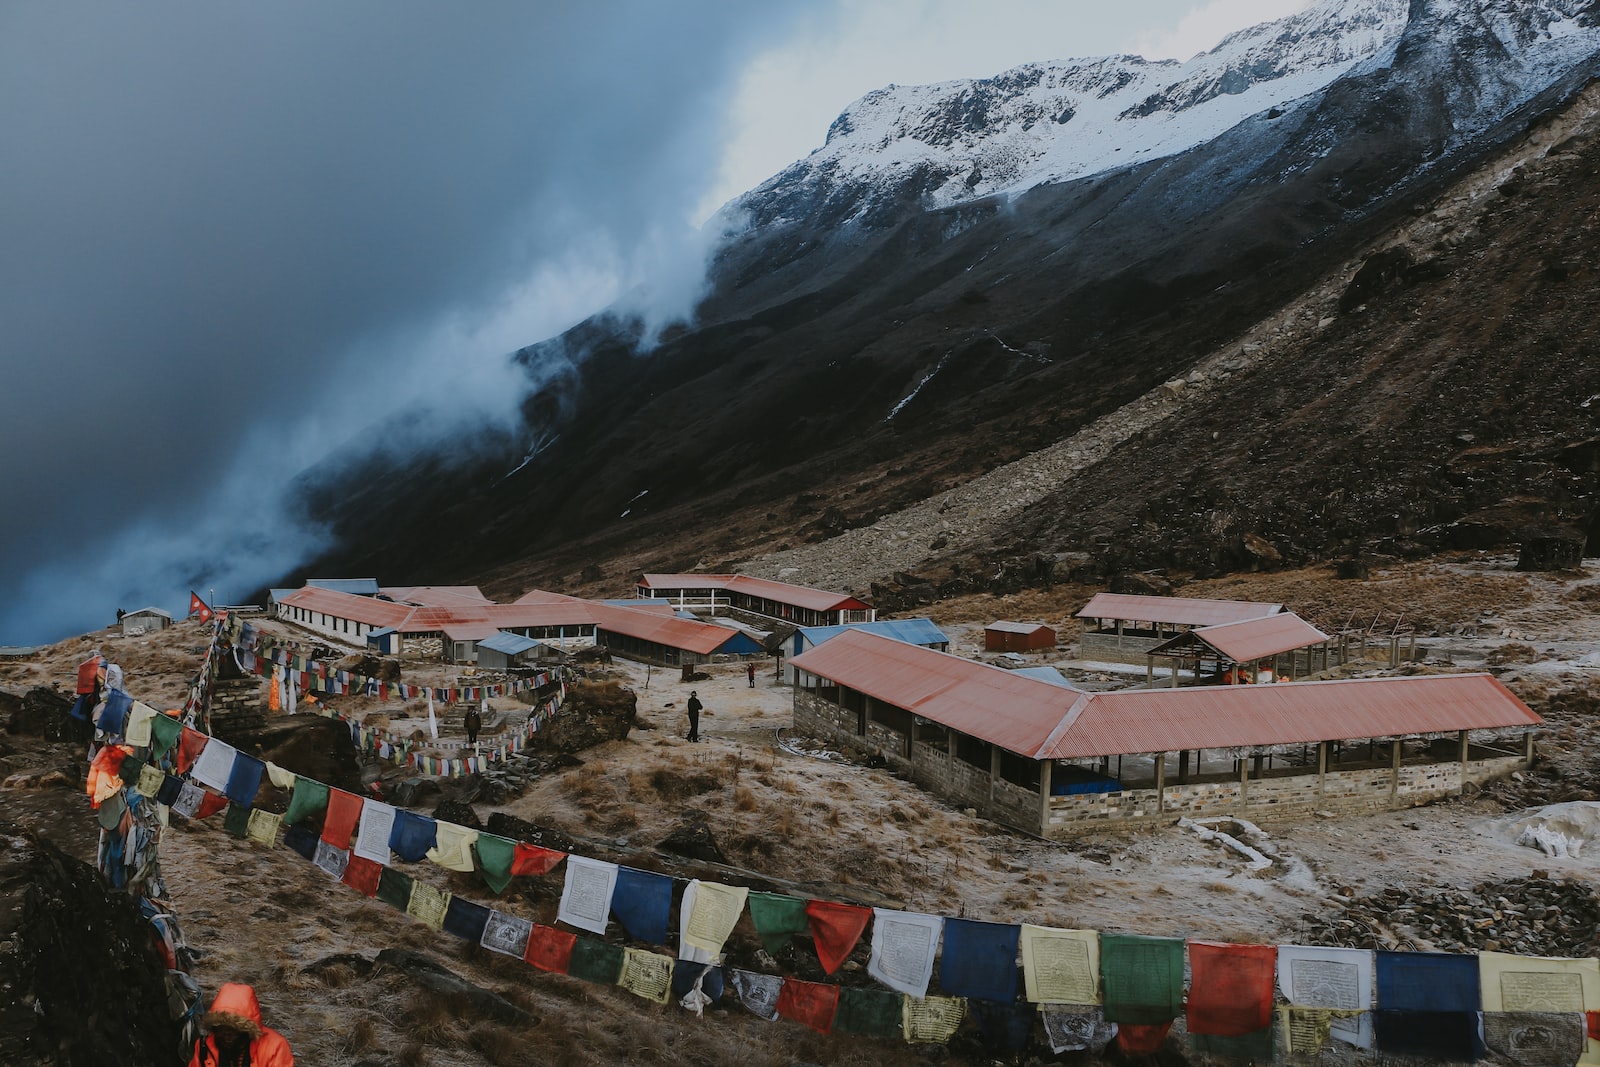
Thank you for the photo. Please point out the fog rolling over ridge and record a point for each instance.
(236, 239)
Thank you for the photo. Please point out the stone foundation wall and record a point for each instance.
(238, 707)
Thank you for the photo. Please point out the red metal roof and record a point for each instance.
(1018, 627)
(436, 596)
(798, 596)
(662, 629)
(364, 609)
(1255, 639)
(1283, 713)
(1174, 610)
(1043, 721)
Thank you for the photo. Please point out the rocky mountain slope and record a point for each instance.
(872, 340)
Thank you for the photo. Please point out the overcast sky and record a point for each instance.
(238, 237)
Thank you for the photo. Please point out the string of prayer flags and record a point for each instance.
(903, 947)
(506, 934)
(586, 896)
(171, 789)
(707, 916)
(191, 743)
(189, 798)
(835, 928)
(642, 903)
(465, 919)
(453, 847)
(1060, 966)
(309, 800)
(757, 992)
(1336, 978)
(931, 1019)
(362, 875)
(373, 831)
(1005, 1027)
(1428, 1005)
(332, 860)
(137, 731)
(244, 781)
(549, 949)
(394, 888)
(427, 904)
(979, 960)
(596, 961)
(868, 1012)
(777, 919)
(646, 974)
(412, 835)
(263, 829)
(1143, 978)
(1230, 988)
(1071, 1029)
(811, 1004)
(164, 732)
(344, 811)
(1141, 1039)
(214, 765)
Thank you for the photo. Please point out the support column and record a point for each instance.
(1161, 782)
(1527, 748)
(1465, 749)
(1183, 766)
(1322, 767)
(994, 770)
(1044, 797)
(1244, 783)
(1394, 770)
(1149, 672)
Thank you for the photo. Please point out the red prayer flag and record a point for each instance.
(810, 1003)
(344, 811)
(88, 673)
(362, 874)
(210, 804)
(1134, 1039)
(198, 607)
(550, 949)
(531, 859)
(190, 744)
(1593, 1019)
(835, 928)
(1230, 991)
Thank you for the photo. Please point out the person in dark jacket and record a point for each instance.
(694, 707)
(473, 722)
(235, 1036)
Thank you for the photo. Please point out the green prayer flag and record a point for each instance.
(237, 821)
(164, 732)
(394, 888)
(1258, 1046)
(596, 961)
(868, 1012)
(494, 860)
(310, 799)
(778, 918)
(1143, 978)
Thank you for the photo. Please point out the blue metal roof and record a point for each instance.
(1046, 674)
(355, 586)
(911, 631)
(508, 643)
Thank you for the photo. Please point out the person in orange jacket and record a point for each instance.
(235, 1036)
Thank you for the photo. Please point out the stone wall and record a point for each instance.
(238, 707)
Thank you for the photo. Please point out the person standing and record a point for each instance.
(235, 1036)
(750, 669)
(694, 707)
(473, 722)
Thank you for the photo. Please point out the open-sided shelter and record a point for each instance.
(1122, 627)
(1271, 648)
(1055, 762)
(796, 604)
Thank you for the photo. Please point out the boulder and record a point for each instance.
(309, 745)
(694, 840)
(43, 712)
(593, 713)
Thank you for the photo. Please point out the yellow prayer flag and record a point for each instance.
(1543, 984)
(716, 909)
(453, 847)
(263, 826)
(150, 781)
(1060, 966)
(427, 905)
(646, 974)
(137, 731)
(932, 1020)
(279, 777)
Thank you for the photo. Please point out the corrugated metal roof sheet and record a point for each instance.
(798, 596)
(364, 609)
(1174, 610)
(1285, 713)
(911, 631)
(1043, 721)
(150, 611)
(508, 644)
(1048, 675)
(353, 586)
(1018, 627)
(436, 596)
(1255, 639)
(661, 629)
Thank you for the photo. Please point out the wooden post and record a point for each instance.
(994, 770)
(1465, 748)
(1149, 672)
(1244, 782)
(1044, 797)
(1322, 767)
(1527, 748)
(1177, 665)
(1161, 782)
(1394, 770)
(1183, 766)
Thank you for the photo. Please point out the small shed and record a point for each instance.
(386, 640)
(1018, 637)
(505, 650)
(144, 621)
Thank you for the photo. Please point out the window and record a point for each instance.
(896, 719)
(973, 751)
(932, 733)
(1019, 770)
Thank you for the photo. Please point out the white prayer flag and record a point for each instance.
(214, 765)
(903, 947)
(372, 834)
(586, 897)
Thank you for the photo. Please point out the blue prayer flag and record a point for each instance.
(980, 960)
(412, 836)
(244, 781)
(642, 903)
